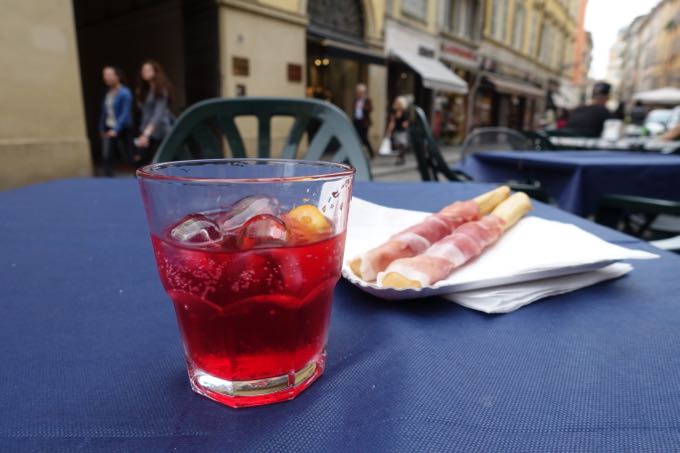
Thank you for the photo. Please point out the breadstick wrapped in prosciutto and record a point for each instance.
(465, 243)
(419, 237)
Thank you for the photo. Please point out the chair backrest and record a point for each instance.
(431, 163)
(200, 132)
(494, 139)
(539, 141)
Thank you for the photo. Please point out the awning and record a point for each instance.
(516, 87)
(435, 75)
(667, 95)
(343, 50)
(562, 101)
(334, 44)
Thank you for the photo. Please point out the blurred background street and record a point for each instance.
(93, 88)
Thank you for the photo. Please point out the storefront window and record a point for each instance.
(463, 17)
(546, 44)
(500, 10)
(532, 33)
(415, 8)
(518, 27)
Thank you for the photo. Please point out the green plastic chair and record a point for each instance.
(431, 163)
(199, 132)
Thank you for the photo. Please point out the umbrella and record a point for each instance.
(667, 95)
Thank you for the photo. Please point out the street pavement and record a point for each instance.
(383, 167)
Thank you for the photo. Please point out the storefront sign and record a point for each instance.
(425, 52)
(459, 52)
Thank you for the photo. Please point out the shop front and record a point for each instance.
(454, 107)
(339, 58)
(415, 72)
(508, 102)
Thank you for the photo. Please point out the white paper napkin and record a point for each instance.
(507, 298)
(534, 249)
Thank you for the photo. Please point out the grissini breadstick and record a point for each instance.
(466, 242)
(419, 237)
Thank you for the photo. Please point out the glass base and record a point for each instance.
(259, 391)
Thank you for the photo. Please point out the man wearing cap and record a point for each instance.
(588, 120)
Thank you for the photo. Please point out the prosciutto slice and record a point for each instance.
(418, 238)
(449, 253)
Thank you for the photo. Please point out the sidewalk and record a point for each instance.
(383, 167)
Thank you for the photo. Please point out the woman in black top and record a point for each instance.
(397, 128)
(154, 94)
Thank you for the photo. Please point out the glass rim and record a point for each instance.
(150, 171)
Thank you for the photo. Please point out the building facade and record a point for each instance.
(646, 55)
(460, 33)
(583, 48)
(467, 63)
(659, 51)
(344, 47)
(42, 125)
(527, 55)
(412, 47)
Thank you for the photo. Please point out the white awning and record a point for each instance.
(667, 95)
(517, 87)
(435, 75)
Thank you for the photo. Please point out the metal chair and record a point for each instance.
(494, 139)
(431, 163)
(539, 141)
(638, 217)
(200, 131)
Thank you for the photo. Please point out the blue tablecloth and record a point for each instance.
(91, 358)
(578, 179)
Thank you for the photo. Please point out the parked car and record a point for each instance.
(675, 118)
(657, 121)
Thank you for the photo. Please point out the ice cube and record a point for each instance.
(263, 230)
(245, 209)
(196, 229)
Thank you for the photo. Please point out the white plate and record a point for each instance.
(533, 249)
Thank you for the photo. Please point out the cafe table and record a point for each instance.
(92, 361)
(648, 144)
(577, 180)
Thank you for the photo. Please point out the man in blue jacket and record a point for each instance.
(115, 121)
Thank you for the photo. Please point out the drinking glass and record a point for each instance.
(249, 251)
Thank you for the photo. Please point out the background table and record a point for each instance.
(651, 144)
(91, 358)
(578, 179)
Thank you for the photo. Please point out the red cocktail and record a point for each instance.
(252, 286)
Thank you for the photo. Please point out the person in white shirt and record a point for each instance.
(361, 116)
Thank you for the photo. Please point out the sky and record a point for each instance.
(604, 18)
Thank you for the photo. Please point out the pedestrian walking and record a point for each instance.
(638, 114)
(397, 128)
(361, 115)
(154, 95)
(115, 119)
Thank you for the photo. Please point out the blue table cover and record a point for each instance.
(578, 179)
(91, 357)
